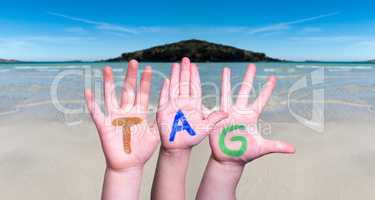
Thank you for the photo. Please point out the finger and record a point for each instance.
(272, 146)
(94, 109)
(264, 95)
(143, 92)
(215, 117)
(164, 94)
(243, 94)
(185, 77)
(109, 90)
(175, 81)
(226, 93)
(195, 83)
(130, 84)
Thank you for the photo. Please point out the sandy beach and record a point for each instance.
(55, 161)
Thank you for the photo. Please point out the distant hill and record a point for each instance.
(7, 60)
(196, 50)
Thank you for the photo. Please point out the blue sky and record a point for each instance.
(90, 30)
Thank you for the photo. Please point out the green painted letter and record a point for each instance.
(242, 139)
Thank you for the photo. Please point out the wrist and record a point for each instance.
(122, 184)
(130, 171)
(175, 153)
(220, 176)
(227, 167)
(170, 174)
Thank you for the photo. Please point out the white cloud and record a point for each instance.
(24, 43)
(367, 43)
(6, 45)
(98, 24)
(56, 39)
(116, 28)
(75, 30)
(193, 29)
(45, 47)
(271, 28)
(286, 25)
(311, 30)
(327, 39)
(355, 41)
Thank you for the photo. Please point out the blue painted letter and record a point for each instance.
(184, 125)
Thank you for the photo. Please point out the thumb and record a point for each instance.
(272, 146)
(215, 117)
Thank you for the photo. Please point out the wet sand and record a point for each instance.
(41, 160)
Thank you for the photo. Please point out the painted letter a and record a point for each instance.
(180, 123)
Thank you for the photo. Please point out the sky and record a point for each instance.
(42, 30)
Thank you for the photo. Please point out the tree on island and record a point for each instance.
(196, 50)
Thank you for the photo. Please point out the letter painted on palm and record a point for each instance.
(176, 127)
(126, 123)
(230, 152)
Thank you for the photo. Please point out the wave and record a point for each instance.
(349, 67)
(363, 67)
(24, 67)
(34, 67)
(339, 70)
(47, 70)
(335, 67)
(74, 66)
(270, 70)
(117, 69)
(4, 70)
(308, 66)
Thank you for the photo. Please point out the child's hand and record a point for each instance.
(236, 138)
(179, 117)
(126, 137)
(181, 125)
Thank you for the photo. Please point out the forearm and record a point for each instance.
(120, 185)
(219, 181)
(169, 180)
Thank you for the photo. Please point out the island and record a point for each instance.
(7, 60)
(197, 51)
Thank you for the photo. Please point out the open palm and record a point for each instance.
(180, 119)
(134, 148)
(236, 138)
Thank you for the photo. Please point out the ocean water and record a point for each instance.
(317, 92)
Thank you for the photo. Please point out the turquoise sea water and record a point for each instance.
(348, 89)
